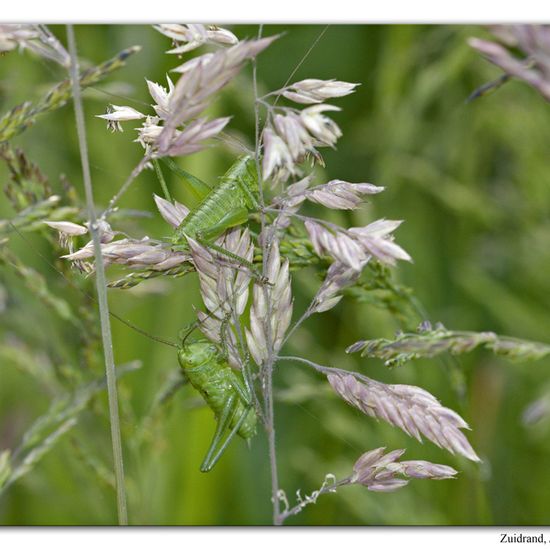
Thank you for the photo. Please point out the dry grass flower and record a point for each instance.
(414, 410)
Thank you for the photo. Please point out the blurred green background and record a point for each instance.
(471, 181)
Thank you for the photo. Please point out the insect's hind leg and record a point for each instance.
(242, 393)
(210, 461)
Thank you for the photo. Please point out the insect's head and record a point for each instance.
(197, 353)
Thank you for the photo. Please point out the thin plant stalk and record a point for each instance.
(267, 377)
(101, 286)
(162, 181)
(126, 185)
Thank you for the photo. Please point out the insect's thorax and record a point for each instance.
(235, 190)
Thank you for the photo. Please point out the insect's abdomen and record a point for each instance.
(227, 196)
(213, 380)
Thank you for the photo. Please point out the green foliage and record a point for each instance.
(471, 181)
(44, 433)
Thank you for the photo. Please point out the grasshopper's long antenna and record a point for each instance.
(88, 295)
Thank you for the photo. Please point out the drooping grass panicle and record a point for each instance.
(291, 135)
(36, 282)
(531, 40)
(47, 430)
(414, 410)
(178, 129)
(428, 342)
(376, 470)
(22, 116)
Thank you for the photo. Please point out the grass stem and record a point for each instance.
(100, 284)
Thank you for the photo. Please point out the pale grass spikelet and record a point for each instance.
(290, 202)
(422, 469)
(377, 240)
(322, 128)
(149, 132)
(414, 410)
(338, 244)
(192, 63)
(209, 75)
(277, 157)
(341, 195)
(313, 90)
(234, 280)
(353, 247)
(191, 36)
(121, 113)
(106, 233)
(144, 253)
(290, 138)
(13, 36)
(220, 35)
(69, 229)
(173, 213)
(219, 331)
(273, 315)
(161, 96)
(190, 140)
(379, 471)
(338, 277)
(295, 136)
(36, 38)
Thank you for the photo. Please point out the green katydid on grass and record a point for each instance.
(204, 365)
